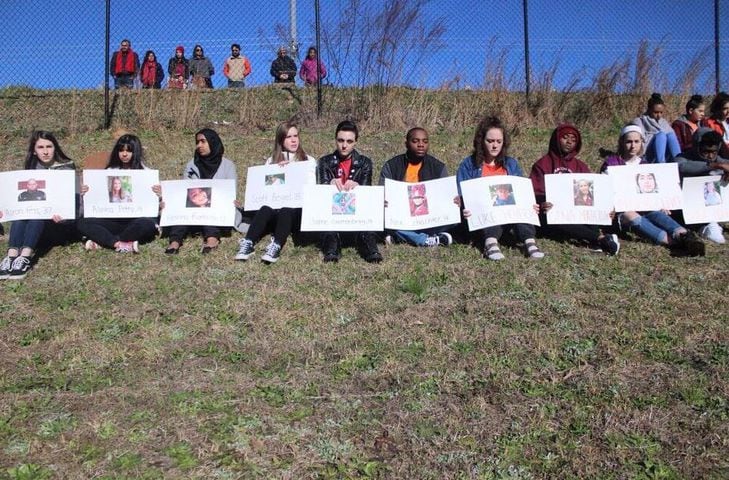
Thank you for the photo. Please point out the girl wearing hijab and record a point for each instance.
(208, 163)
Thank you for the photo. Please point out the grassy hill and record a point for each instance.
(433, 364)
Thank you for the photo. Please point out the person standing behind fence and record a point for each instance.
(308, 71)
(151, 73)
(201, 69)
(283, 69)
(236, 68)
(124, 65)
(660, 139)
(179, 69)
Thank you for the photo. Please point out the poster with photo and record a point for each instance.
(579, 198)
(705, 199)
(327, 209)
(499, 200)
(416, 206)
(198, 202)
(278, 186)
(120, 193)
(644, 188)
(37, 194)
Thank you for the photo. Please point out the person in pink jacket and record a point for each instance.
(308, 72)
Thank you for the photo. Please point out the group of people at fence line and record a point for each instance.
(198, 70)
(347, 169)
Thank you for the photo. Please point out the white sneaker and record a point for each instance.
(91, 245)
(713, 232)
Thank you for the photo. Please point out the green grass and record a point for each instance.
(433, 364)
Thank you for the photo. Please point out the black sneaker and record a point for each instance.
(21, 267)
(331, 247)
(610, 244)
(273, 251)
(6, 266)
(692, 243)
(369, 250)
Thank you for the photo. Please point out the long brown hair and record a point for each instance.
(278, 150)
(479, 149)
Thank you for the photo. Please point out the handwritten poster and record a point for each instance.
(499, 200)
(198, 202)
(416, 206)
(705, 199)
(646, 187)
(327, 209)
(37, 194)
(120, 193)
(579, 198)
(278, 186)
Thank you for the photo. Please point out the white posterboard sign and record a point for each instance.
(37, 194)
(705, 199)
(421, 205)
(644, 188)
(198, 202)
(278, 186)
(327, 209)
(499, 200)
(579, 198)
(120, 193)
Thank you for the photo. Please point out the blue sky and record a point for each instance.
(60, 43)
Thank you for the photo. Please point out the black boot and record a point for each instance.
(368, 247)
(331, 247)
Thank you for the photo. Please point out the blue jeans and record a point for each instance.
(26, 233)
(663, 146)
(419, 237)
(655, 226)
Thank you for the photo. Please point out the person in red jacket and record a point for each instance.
(719, 120)
(124, 65)
(686, 125)
(564, 146)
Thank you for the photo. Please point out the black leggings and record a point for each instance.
(107, 231)
(281, 222)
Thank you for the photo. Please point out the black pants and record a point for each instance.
(587, 233)
(522, 231)
(179, 232)
(281, 222)
(107, 231)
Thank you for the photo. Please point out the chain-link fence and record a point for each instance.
(668, 46)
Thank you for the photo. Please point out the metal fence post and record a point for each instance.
(107, 116)
(717, 70)
(527, 70)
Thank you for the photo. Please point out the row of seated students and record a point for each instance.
(346, 169)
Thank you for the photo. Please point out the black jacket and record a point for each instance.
(395, 168)
(327, 169)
